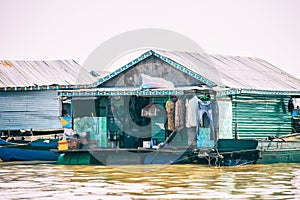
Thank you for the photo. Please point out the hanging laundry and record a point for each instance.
(191, 112)
(170, 109)
(179, 114)
(205, 109)
(186, 112)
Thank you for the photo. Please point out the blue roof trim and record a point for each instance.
(73, 93)
(185, 70)
(228, 92)
(122, 69)
(163, 58)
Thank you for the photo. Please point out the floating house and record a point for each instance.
(182, 99)
(28, 93)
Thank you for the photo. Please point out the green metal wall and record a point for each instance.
(261, 116)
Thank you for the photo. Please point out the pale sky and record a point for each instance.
(69, 29)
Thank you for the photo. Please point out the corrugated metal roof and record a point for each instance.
(43, 73)
(226, 71)
(236, 71)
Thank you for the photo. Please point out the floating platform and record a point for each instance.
(228, 152)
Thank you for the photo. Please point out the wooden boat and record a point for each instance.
(233, 152)
(35, 150)
(284, 149)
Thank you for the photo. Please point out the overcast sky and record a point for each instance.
(69, 29)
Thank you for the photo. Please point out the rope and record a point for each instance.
(164, 143)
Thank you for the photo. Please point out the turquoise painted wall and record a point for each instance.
(261, 116)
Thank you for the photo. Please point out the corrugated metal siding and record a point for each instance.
(261, 116)
(38, 110)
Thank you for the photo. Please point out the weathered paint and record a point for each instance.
(280, 156)
(184, 69)
(260, 116)
(153, 67)
(225, 117)
(95, 126)
(279, 152)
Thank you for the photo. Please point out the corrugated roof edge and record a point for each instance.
(43, 87)
(54, 86)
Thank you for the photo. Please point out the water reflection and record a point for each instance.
(50, 181)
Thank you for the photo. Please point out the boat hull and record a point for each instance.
(126, 157)
(19, 154)
(236, 152)
(36, 150)
(228, 152)
(279, 152)
(279, 156)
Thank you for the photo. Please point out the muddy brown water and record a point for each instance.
(21, 180)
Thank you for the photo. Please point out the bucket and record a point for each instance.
(62, 145)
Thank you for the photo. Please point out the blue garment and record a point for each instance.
(296, 113)
(205, 108)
